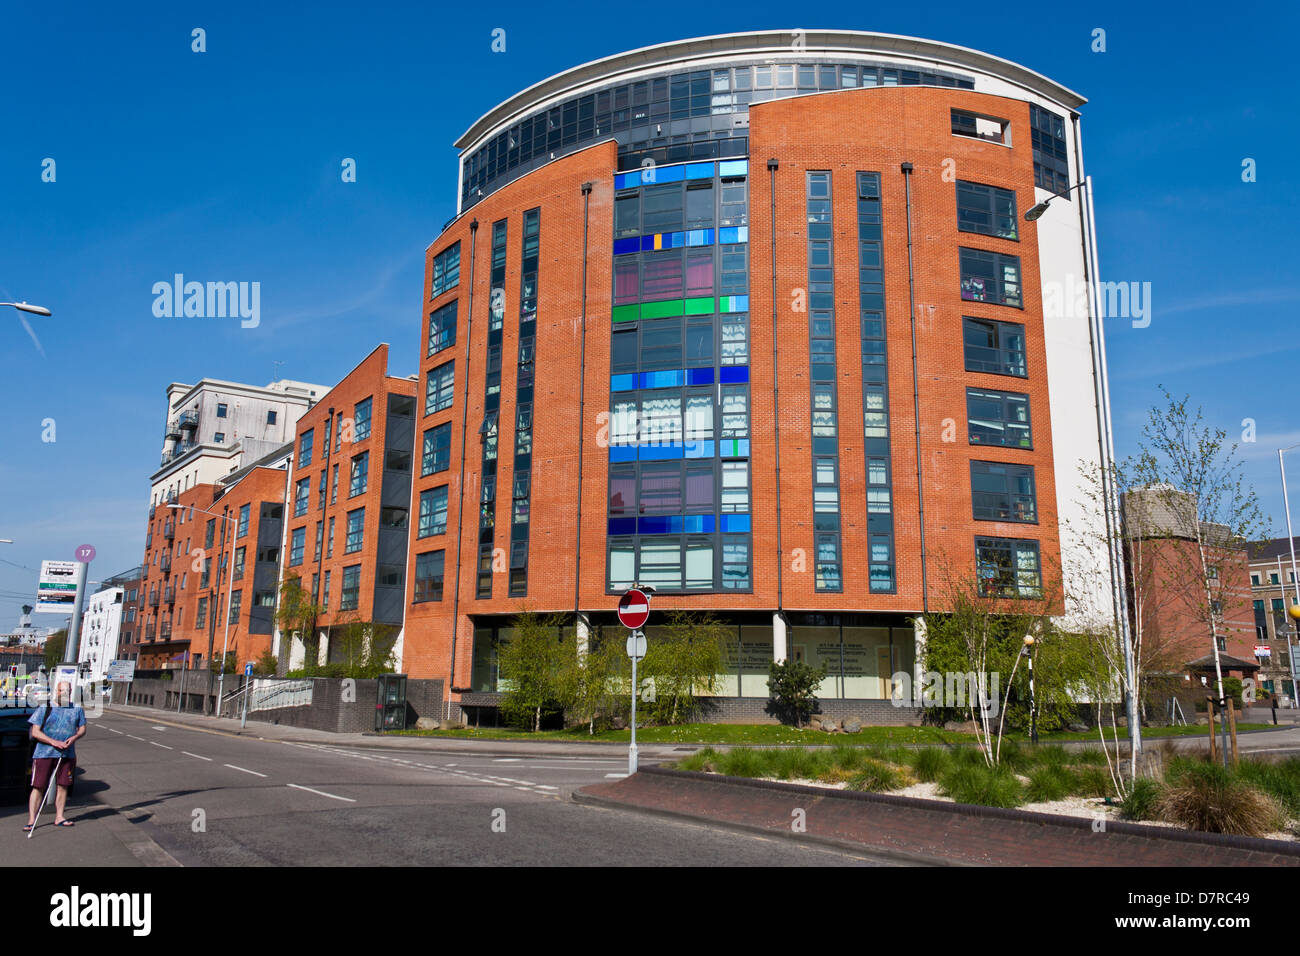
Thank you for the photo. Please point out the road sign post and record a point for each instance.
(633, 612)
(248, 680)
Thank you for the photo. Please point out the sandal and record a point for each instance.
(64, 823)
(28, 827)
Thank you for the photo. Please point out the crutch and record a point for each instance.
(54, 777)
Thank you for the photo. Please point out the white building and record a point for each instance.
(100, 627)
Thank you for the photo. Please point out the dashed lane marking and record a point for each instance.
(243, 770)
(332, 796)
(199, 756)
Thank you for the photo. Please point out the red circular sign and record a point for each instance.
(633, 609)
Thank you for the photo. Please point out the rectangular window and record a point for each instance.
(994, 347)
(209, 532)
(998, 418)
(439, 392)
(1051, 162)
(1008, 568)
(1003, 492)
(433, 511)
(270, 418)
(986, 209)
(236, 598)
(243, 521)
(325, 594)
(990, 277)
(301, 491)
(429, 576)
(297, 545)
(735, 562)
(221, 410)
(437, 450)
(359, 476)
(442, 328)
(329, 542)
(989, 128)
(320, 539)
(361, 420)
(334, 485)
(349, 598)
(201, 615)
(239, 562)
(304, 448)
(446, 271)
(356, 525)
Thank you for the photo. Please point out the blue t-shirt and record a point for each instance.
(63, 723)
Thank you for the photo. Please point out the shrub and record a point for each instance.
(1143, 799)
(793, 686)
(1206, 797)
(1049, 782)
(1093, 781)
(1279, 779)
(876, 776)
(983, 785)
(929, 763)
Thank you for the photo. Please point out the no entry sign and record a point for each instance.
(633, 609)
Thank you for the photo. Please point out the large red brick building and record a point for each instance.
(761, 324)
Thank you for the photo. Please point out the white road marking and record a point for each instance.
(242, 770)
(615, 776)
(322, 793)
(199, 756)
(111, 730)
(163, 746)
(158, 727)
(507, 760)
(134, 737)
(543, 786)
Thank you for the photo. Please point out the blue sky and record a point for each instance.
(225, 165)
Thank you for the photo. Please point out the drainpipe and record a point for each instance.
(916, 386)
(582, 396)
(772, 166)
(460, 509)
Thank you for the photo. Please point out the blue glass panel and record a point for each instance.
(730, 374)
(734, 448)
(647, 243)
(699, 449)
(622, 526)
(733, 167)
(663, 174)
(740, 303)
(694, 524)
(699, 170)
(622, 383)
(671, 378)
(661, 452)
(624, 246)
(699, 376)
(742, 234)
(735, 523)
(622, 453)
(699, 237)
(728, 235)
(627, 180)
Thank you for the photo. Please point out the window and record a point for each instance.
(1003, 492)
(986, 209)
(329, 542)
(360, 472)
(320, 538)
(975, 125)
(433, 512)
(1254, 580)
(301, 489)
(356, 522)
(236, 598)
(334, 485)
(201, 615)
(243, 521)
(209, 532)
(239, 562)
(296, 546)
(442, 328)
(446, 271)
(998, 418)
(219, 438)
(393, 518)
(990, 277)
(428, 576)
(325, 594)
(270, 418)
(221, 410)
(1051, 163)
(205, 577)
(397, 459)
(320, 490)
(304, 448)
(439, 392)
(996, 347)
(348, 600)
(361, 420)
(1008, 568)
(437, 450)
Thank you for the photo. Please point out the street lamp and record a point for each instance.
(1033, 706)
(1036, 211)
(28, 307)
(230, 585)
(1290, 540)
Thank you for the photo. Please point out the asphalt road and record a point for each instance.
(213, 799)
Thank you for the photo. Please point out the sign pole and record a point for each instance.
(72, 644)
(631, 753)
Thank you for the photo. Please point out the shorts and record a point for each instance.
(42, 767)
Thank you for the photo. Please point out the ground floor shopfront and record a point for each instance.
(864, 656)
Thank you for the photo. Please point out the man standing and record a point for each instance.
(56, 727)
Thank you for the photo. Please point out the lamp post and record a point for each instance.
(1035, 211)
(28, 307)
(230, 585)
(1290, 540)
(1033, 704)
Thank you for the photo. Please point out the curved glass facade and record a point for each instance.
(673, 118)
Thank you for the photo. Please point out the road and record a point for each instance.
(216, 799)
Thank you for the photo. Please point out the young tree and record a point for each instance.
(538, 668)
(296, 615)
(684, 660)
(793, 686)
(602, 683)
